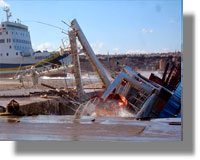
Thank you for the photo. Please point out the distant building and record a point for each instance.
(162, 64)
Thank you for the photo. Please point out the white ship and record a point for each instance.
(16, 52)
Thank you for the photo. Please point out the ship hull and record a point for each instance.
(11, 66)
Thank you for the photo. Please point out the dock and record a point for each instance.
(62, 128)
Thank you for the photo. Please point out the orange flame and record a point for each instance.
(124, 100)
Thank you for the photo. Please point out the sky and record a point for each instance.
(117, 27)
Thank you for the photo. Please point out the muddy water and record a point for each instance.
(62, 128)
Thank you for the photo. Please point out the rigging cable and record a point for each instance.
(48, 25)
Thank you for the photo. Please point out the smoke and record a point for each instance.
(3, 4)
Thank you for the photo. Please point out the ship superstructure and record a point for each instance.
(16, 52)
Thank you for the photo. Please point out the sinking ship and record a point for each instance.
(16, 52)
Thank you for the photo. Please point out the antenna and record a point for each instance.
(8, 13)
(18, 21)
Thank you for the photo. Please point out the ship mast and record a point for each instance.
(8, 13)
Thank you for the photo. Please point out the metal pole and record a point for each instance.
(76, 62)
(90, 53)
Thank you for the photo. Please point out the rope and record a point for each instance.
(46, 24)
(66, 24)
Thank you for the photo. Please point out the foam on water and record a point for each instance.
(124, 113)
(69, 76)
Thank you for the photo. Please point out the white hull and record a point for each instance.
(11, 66)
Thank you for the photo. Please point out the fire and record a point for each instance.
(111, 106)
(124, 100)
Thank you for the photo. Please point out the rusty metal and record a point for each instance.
(170, 73)
(165, 72)
(76, 62)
